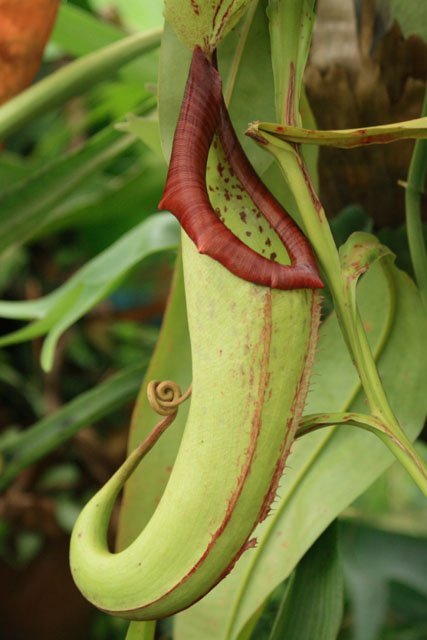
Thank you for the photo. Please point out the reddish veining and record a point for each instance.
(290, 98)
(297, 408)
(186, 195)
(313, 195)
(375, 139)
(195, 7)
(217, 10)
(223, 19)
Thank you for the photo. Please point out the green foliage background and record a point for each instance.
(83, 259)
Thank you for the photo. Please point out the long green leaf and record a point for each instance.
(373, 559)
(30, 204)
(73, 79)
(79, 32)
(312, 606)
(57, 311)
(296, 19)
(49, 433)
(134, 14)
(137, 192)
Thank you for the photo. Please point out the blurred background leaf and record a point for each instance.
(57, 311)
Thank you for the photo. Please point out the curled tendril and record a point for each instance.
(165, 396)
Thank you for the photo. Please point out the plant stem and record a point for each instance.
(414, 226)
(141, 630)
(320, 235)
(295, 18)
(76, 77)
(406, 455)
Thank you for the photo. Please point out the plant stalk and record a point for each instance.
(76, 77)
(298, 19)
(414, 226)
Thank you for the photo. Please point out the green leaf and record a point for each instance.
(245, 68)
(57, 311)
(74, 79)
(373, 560)
(29, 205)
(134, 13)
(296, 20)
(28, 446)
(78, 32)
(13, 168)
(327, 470)
(357, 255)
(393, 503)
(145, 129)
(312, 606)
(411, 15)
(101, 202)
(350, 219)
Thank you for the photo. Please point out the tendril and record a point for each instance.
(165, 396)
